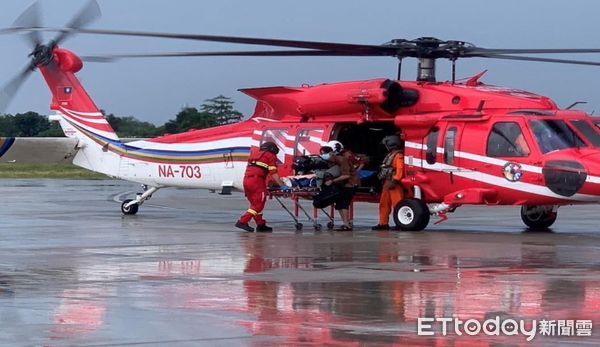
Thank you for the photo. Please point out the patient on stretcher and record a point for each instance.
(310, 171)
(301, 181)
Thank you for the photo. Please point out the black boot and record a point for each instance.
(244, 226)
(381, 227)
(263, 228)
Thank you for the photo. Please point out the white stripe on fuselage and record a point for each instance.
(477, 157)
(92, 130)
(196, 146)
(492, 179)
(90, 118)
(88, 114)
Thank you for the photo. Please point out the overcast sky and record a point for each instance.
(156, 89)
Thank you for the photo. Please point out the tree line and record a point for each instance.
(213, 112)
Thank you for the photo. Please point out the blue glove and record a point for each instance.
(285, 188)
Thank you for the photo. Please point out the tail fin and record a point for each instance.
(78, 116)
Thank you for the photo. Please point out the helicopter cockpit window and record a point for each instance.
(432, 140)
(450, 145)
(591, 133)
(554, 135)
(506, 140)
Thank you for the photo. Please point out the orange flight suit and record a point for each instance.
(392, 192)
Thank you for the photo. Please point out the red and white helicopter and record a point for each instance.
(466, 143)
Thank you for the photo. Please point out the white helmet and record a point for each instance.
(336, 146)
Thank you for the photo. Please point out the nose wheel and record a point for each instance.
(538, 218)
(131, 206)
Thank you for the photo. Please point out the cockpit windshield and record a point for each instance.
(553, 135)
(590, 132)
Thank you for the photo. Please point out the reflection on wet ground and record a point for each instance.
(74, 272)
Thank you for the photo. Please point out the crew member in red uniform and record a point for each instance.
(261, 164)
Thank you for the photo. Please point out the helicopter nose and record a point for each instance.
(564, 177)
(592, 164)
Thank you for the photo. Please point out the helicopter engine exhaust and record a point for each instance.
(384, 97)
(388, 95)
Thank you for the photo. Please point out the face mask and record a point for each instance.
(325, 156)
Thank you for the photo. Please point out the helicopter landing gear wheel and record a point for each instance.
(330, 226)
(538, 218)
(131, 209)
(131, 206)
(411, 215)
(318, 227)
(299, 226)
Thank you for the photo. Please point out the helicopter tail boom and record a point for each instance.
(78, 115)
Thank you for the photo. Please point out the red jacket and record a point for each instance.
(261, 164)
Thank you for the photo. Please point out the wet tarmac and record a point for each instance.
(74, 272)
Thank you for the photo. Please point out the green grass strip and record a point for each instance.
(59, 171)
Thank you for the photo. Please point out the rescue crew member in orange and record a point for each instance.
(391, 172)
(261, 164)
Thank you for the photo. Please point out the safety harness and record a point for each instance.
(261, 164)
(386, 170)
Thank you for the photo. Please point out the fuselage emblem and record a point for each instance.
(513, 172)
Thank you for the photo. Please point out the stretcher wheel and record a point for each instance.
(330, 226)
(318, 227)
(299, 226)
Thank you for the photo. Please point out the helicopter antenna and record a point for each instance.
(480, 107)
(575, 103)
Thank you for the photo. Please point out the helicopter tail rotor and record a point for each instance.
(30, 18)
(88, 14)
(42, 54)
(10, 89)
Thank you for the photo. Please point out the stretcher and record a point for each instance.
(306, 187)
(296, 195)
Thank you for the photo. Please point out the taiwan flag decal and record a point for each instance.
(64, 93)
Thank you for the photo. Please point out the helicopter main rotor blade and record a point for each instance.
(10, 89)
(30, 18)
(476, 51)
(291, 53)
(331, 46)
(301, 53)
(399, 48)
(545, 60)
(85, 16)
